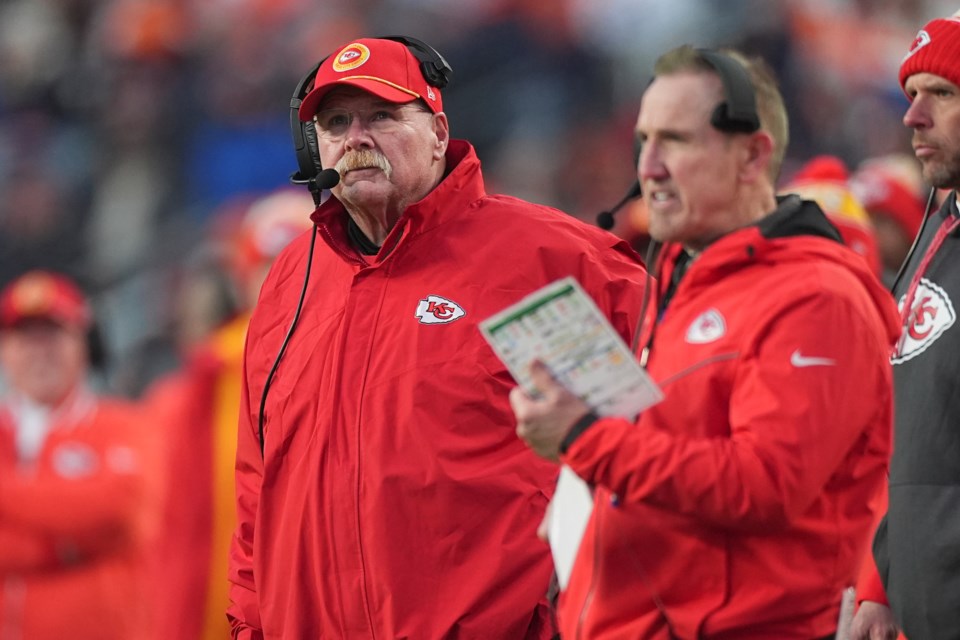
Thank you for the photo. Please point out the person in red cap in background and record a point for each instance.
(917, 544)
(890, 189)
(825, 180)
(78, 484)
(197, 408)
(381, 489)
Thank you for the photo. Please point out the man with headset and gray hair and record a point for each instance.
(737, 506)
(381, 490)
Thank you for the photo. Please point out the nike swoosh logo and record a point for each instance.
(799, 360)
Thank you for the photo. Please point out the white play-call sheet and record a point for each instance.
(561, 326)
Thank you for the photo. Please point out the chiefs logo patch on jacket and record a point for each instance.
(931, 315)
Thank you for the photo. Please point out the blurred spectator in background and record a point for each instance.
(41, 216)
(197, 409)
(892, 190)
(78, 482)
(825, 180)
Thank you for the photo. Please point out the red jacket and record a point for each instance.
(74, 526)
(741, 506)
(394, 499)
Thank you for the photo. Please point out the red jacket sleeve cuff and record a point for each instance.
(869, 586)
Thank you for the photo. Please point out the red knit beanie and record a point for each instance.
(936, 50)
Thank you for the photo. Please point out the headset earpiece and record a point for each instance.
(738, 112)
(434, 67)
(312, 146)
(304, 134)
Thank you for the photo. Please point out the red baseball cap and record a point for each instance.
(42, 294)
(825, 180)
(385, 68)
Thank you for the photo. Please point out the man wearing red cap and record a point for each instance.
(386, 494)
(76, 482)
(917, 545)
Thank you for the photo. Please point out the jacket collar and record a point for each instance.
(793, 217)
(796, 217)
(461, 186)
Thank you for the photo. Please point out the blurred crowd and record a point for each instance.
(131, 131)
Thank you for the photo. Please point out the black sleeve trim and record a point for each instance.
(582, 424)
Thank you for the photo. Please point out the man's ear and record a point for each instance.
(757, 155)
(441, 129)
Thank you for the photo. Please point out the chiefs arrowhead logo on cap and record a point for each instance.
(33, 294)
(922, 40)
(351, 57)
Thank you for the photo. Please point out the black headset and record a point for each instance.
(736, 114)
(435, 69)
(738, 111)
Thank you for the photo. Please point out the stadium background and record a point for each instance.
(133, 132)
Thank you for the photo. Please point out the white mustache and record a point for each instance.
(363, 159)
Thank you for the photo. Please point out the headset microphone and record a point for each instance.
(327, 179)
(605, 218)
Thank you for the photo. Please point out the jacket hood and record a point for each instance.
(796, 231)
(796, 217)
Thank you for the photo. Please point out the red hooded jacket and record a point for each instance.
(741, 505)
(394, 499)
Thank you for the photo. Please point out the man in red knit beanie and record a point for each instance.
(917, 544)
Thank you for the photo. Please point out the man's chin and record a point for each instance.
(939, 176)
(366, 192)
